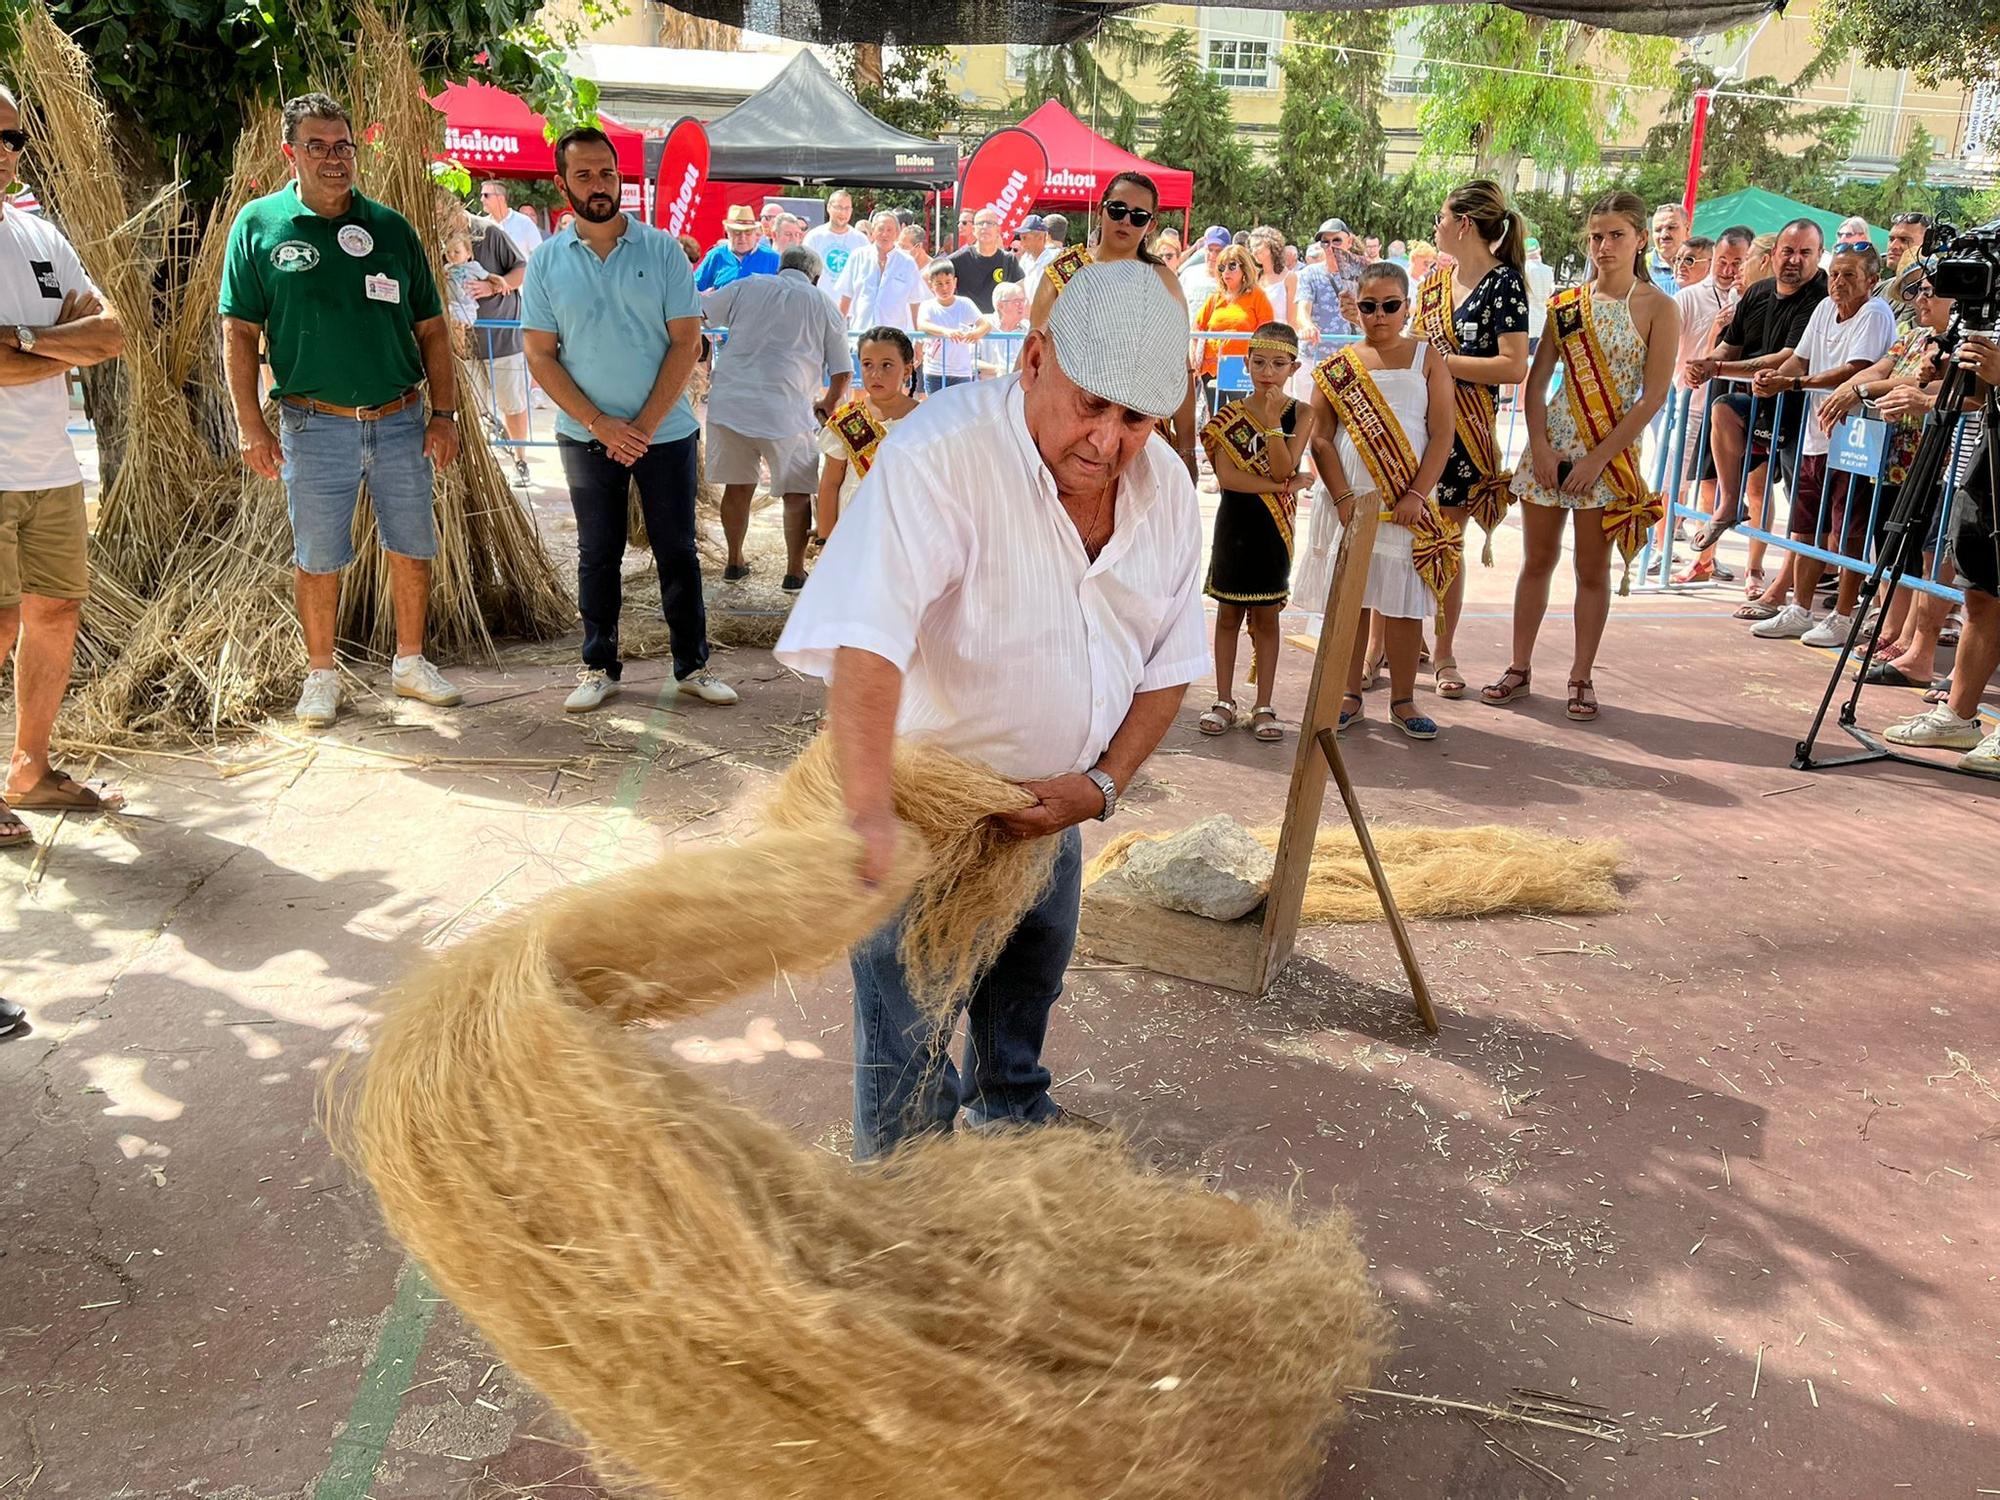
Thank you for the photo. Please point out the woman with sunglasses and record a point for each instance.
(1473, 309)
(1237, 305)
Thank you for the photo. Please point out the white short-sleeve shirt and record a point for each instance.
(37, 269)
(957, 563)
(881, 293)
(1829, 343)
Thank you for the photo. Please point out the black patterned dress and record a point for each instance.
(1498, 305)
(1251, 560)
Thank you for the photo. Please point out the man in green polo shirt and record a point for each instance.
(340, 292)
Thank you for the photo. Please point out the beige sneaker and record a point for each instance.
(593, 686)
(1984, 758)
(415, 677)
(319, 700)
(706, 686)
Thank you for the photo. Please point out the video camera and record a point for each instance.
(1966, 268)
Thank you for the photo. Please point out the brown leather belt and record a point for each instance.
(409, 398)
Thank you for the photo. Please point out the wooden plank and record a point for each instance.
(1116, 929)
(1306, 797)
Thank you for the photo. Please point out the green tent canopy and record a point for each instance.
(1767, 213)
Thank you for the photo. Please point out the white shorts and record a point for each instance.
(503, 386)
(732, 458)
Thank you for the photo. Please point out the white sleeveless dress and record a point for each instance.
(1394, 586)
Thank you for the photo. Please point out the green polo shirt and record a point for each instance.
(337, 298)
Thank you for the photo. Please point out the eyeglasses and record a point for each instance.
(1689, 257)
(14, 140)
(1852, 247)
(1389, 305)
(329, 150)
(1120, 212)
(1925, 291)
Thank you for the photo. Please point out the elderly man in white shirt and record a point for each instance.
(1019, 582)
(881, 286)
(766, 400)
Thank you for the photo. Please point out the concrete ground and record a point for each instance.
(1717, 1169)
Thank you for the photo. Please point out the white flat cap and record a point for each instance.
(1120, 334)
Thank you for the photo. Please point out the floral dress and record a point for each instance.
(1912, 353)
(1498, 305)
(1625, 355)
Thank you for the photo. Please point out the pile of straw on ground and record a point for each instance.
(1441, 872)
(723, 1311)
(191, 629)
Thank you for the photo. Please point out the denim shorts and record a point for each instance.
(329, 458)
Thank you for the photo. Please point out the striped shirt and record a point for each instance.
(958, 564)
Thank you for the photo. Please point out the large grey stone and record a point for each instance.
(1213, 869)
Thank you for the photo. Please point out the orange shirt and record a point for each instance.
(1223, 314)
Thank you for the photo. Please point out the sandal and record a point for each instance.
(1888, 674)
(13, 831)
(1753, 583)
(1513, 684)
(1264, 724)
(1754, 611)
(1347, 715)
(58, 791)
(1701, 570)
(1371, 672)
(1447, 679)
(1220, 719)
(1939, 691)
(1579, 708)
(1416, 726)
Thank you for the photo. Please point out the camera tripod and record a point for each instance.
(1911, 519)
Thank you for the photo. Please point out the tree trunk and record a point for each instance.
(868, 65)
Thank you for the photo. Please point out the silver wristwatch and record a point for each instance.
(25, 337)
(1110, 789)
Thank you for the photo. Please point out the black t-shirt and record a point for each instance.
(1765, 322)
(979, 274)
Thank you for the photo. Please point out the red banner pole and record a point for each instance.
(1701, 104)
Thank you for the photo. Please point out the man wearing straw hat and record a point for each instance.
(339, 289)
(51, 319)
(1019, 581)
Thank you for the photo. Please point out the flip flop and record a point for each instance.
(1756, 612)
(13, 832)
(58, 791)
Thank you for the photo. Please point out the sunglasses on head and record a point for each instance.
(1369, 306)
(1120, 212)
(14, 140)
(1852, 247)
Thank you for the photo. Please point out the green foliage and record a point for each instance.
(914, 94)
(1957, 39)
(1556, 109)
(1199, 135)
(181, 76)
(1124, 131)
(1762, 142)
(1076, 75)
(1330, 139)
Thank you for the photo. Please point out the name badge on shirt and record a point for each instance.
(382, 289)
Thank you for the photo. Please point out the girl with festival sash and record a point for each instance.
(1255, 444)
(1473, 308)
(1129, 205)
(1617, 338)
(1382, 433)
(856, 429)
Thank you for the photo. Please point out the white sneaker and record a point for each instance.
(1984, 759)
(319, 700)
(1832, 631)
(1787, 624)
(415, 677)
(706, 686)
(592, 688)
(1940, 727)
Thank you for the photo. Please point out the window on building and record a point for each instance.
(1406, 69)
(1241, 46)
(1017, 63)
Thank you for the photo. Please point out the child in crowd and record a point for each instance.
(461, 274)
(954, 325)
(1382, 432)
(856, 428)
(1255, 444)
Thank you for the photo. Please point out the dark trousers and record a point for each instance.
(598, 487)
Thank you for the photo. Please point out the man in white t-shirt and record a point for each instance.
(881, 285)
(1197, 277)
(519, 228)
(1037, 250)
(835, 240)
(1848, 331)
(51, 319)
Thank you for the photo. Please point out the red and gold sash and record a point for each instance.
(1473, 413)
(1385, 449)
(1073, 259)
(1597, 403)
(860, 432)
(1246, 440)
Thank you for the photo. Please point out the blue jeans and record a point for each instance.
(935, 383)
(904, 1081)
(599, 487)
(326, 461)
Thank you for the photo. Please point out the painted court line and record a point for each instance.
(357, 1452)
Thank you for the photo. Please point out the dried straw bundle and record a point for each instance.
(724, 1312)
(1442, 872)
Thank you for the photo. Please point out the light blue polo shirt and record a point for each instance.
(610, 317)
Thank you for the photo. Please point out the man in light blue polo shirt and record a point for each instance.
(613, 330)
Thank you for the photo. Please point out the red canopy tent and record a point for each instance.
(494, 134)
(1081, 162)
